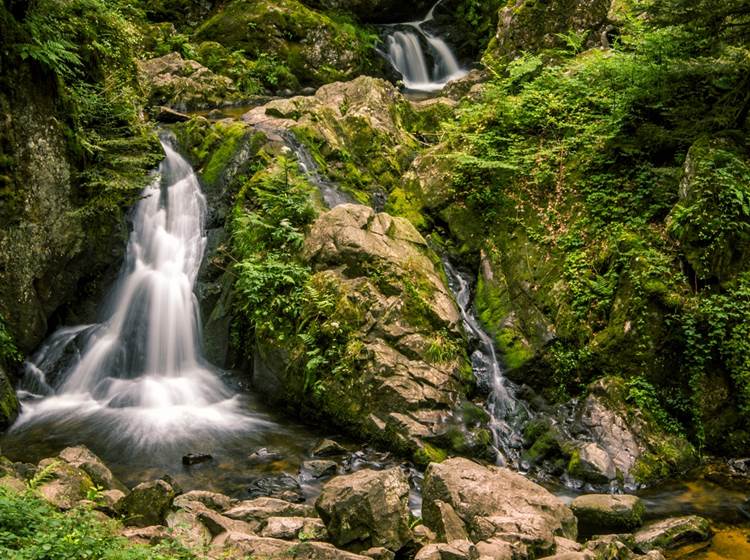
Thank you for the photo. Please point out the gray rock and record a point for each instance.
(186, 529)
(82, 458)
(367, 509)
(496, 503)
(291, 528)
(328, 448)
(146, 535)
(607, 513)
(320, 468)
(672, 533)
(212, 500)
(257, 511)
(456, 550)
(282, 486)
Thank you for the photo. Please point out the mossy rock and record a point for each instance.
(600, 514)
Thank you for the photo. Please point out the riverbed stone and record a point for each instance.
(367, 508)
(147, 504)
(83, 458)
(328, 448)
(241, 546)
(319, 468)
(496, 503)
(62, 484)
(151, 535)
(672, 533)
(605, 513)
(185, 528)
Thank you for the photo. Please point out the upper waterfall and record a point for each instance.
(424, 60)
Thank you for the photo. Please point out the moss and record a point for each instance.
(230, 138)
(429, 454)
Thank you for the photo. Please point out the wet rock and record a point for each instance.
(109, 499)
(672, 533)
(290, 528)
(196, 458)
(63, 485)
(456, 550)
(82, 458)
(328, 448)
(367, 509)
(282, 486)
(592, 464)
(9, 406)
(496, 503)
(607, 513)
(320, 469)
(264, 455)
(147, 504)
(212, 500)
(257, 511)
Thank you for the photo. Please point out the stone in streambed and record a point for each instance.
(320, 468)
(456, 550)
(328, 448)
(147, 504)
(367, 509)
(264, 455)
(257, 511)
(606, 513)
(212, 500)
(282, 486)
(196, 458)
(672, 533)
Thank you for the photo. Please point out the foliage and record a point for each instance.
(8, 350)
(31, 529)
(577, 167)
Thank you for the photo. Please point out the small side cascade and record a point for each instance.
(332, 195)
(424, 60)
(507, 412)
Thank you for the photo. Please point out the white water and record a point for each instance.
(507, 413)
(139, 373)
(425, 61)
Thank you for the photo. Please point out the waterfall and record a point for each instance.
(139, 373)
(412, 50)
(507, 413)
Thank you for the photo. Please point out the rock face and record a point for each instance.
(607, 513)
(534, 26)
(184, 84)
(367, 509)
(395, 308)
(498, 507)
(8, 402)
(624, 444)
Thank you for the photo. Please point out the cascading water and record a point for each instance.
(139, 375)
(507, 413)
(424, 60)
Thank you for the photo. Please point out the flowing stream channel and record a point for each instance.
(424, 60)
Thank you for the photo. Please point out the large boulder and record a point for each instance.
(9, 405)
(82, 458)
(61, 484)
(496, 504)
(367, 509)
(607, 513)
(184, 84)
(535, 26)
(147, 504)
(314, 47)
